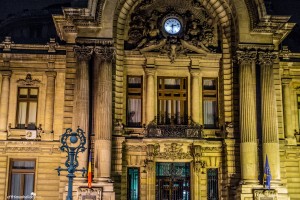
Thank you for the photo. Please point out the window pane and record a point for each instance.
(134, 82)
(32, 113)
(209, 84)
(23, 164)
(210, 113)
(15, 185)
(171, 83)
(28, 184)
(134, 114)
(22, 114)
(33, 92)
(23, 92)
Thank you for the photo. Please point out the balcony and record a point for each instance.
(187, 128)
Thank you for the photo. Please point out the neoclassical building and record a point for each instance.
(178, 99)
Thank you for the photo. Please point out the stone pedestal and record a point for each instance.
(258, 192)
(102, 189)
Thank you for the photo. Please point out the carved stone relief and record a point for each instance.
(28, 81)
(265, 195)
(85, 193)
(146, 33)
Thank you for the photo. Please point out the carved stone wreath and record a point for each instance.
(145, 29)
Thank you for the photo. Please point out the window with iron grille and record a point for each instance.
(21, 178)
(210, 103)
(27, 107)
(212, 184)
(134, 101)
(172, 100)
(133, 184)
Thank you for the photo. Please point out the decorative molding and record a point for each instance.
(51, 74)
(28, 81)
(95, 42)
(6, 73)
(83, 52)
(85, 193)
(173, 151)
(105, 53)
(286, 81)
(266, 57)
(265, 194)
(246, 56)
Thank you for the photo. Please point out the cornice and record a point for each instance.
(95, 41)
(7, 147)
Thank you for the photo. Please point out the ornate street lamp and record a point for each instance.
(72, 143)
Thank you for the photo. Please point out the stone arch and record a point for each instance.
(231, 16)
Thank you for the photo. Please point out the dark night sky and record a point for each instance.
(274, 7)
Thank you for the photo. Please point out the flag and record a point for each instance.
(90, 170)
(267, 174)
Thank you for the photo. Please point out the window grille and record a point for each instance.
(212, 184)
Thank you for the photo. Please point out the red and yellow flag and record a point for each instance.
(90, 170)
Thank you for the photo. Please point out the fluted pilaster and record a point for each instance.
(4, 103)
(81, 96)
(50, 94)
(150, 95)
(269, 113)
(248, 124)
(287, 112)
(195, 95)
(102, 108)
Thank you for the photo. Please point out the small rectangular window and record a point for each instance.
(21, 179)
(134, 101)
(212, 184)
(210, 103)
(133, 186)
(27, 107)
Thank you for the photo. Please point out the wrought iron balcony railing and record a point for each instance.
(188, 130)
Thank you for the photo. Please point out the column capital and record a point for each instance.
(6, 73)
(51, 74)
(106, 53)
(286, 81)
(195, 72)
(266, 57)
(83, 52)
(246, 56)
(150, 71)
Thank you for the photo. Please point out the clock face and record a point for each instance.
(172, 26)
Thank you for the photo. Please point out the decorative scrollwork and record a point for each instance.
(83, 52)
(246, 56)
(184, 129)
(28, 81)
(105, 53)
(173, 151)
(70, 138)
(266, 57)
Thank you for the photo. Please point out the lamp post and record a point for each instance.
(72, 143)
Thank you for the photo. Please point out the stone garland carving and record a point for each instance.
(28, 81)
(83, 52)
(146, 34)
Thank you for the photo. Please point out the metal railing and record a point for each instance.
(186, 130)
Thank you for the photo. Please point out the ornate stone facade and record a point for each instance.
(165, 91)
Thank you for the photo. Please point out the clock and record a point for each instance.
(172, 26)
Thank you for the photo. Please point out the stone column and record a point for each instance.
(195, 94)
(50, 94)
(150, 95)
(4, 103)
(102, 108)
(287, 112)
(269, 114)
(248, 124)
(81, 96)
